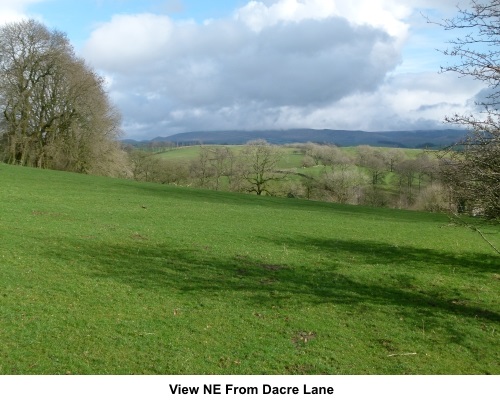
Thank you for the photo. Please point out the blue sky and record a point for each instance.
(79, 18)
(185, 65)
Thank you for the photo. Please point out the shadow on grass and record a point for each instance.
(373, 252)
(198, 271)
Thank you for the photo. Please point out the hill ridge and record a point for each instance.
(423, 138)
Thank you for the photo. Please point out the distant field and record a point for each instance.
(104, 276)
(184, 152)
(292, 161)
(292, 158)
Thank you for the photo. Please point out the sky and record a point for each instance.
(175, 66)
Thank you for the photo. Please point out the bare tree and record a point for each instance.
(55, 112)
(221, 161)
(334, 158)
(471, 168)
(339, 180)
(150, 167)
(142, 164)
(169, 171)
(343, 186)
(201, 169)
(372, 159)
(313, 151)
(406, 176)
(259, 164)
(376, 162)
(392, 157)
(212, 165)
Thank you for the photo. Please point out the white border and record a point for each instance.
(383, 390)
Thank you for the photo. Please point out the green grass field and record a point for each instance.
(106, 276)
(292, 156)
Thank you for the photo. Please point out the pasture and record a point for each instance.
(110, 276)
(292, 156)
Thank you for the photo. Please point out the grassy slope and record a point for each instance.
(292, 158)
(101, 276)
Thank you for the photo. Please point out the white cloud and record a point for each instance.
(129, 40)
(258, 16)
(357, 64)
(14, 10)
(273, 64)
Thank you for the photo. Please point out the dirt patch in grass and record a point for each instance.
(138, 236)
(387, 344)
(302, 337)
(300, 369)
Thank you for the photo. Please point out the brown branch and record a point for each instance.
(475, 229)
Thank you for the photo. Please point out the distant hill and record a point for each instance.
(401, 139)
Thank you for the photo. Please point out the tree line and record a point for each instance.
(55, 112)
(370, 176)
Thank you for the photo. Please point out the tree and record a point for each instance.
(376, 162)
(259, 162)
(392, 157)
(140, 164)
(339, 180)
(343, 186)
(54, 110)
(472, 172)
(471, 168)
(407, 172)
(200, 169)
(372, 159)
(167, 171)
(333, 157)
(314, 152)
(149, 167)
(221, 160)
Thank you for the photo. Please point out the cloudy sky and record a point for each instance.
(185, 65)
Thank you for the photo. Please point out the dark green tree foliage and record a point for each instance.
(54, 110)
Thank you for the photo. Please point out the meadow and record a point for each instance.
(292, 155)
(112, 276)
